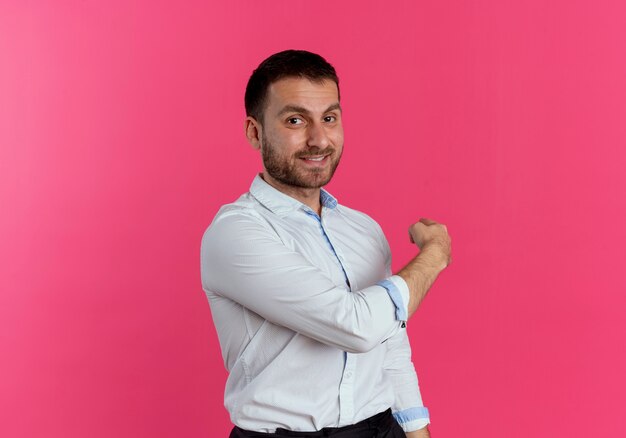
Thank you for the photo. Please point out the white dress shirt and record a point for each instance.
(310, 320)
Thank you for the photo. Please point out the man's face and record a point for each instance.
(302, 134)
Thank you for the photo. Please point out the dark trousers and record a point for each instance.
(381, 425)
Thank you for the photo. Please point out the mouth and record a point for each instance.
(316, 159)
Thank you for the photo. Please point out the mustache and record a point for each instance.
(315, 151)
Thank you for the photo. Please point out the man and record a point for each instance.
(311, 323)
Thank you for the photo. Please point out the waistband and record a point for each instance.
(378, 422)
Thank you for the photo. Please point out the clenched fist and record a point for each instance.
(428, 233)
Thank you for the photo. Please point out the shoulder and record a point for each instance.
(238, 230)
(235, 220)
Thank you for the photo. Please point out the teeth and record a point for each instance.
(315, 159)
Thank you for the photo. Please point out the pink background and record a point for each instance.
(121, 133)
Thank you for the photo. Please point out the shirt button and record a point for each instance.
(348, 375)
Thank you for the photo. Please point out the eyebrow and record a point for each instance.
(302, 110)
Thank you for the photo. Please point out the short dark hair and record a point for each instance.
(285, 64)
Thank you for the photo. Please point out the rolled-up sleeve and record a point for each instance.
(398, 291)
(244, 260)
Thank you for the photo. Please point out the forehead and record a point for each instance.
(314, 96)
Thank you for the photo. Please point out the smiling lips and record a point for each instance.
(315, 158)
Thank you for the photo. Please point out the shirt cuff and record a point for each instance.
(412, 419)
(399, 293)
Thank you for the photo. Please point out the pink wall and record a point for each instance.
(121, 135)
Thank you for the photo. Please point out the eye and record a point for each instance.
(330, 119)
(295, 121)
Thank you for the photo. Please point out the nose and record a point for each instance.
(317, 136)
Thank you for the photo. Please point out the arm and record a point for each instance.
(244, 260)
(421, 272)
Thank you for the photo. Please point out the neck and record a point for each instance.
(309, 197)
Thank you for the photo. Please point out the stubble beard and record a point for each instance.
(285, 171)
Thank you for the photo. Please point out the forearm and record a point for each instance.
(420, 274)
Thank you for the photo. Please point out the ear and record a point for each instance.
(253, 132)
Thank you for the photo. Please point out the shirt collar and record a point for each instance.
(279, 203)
